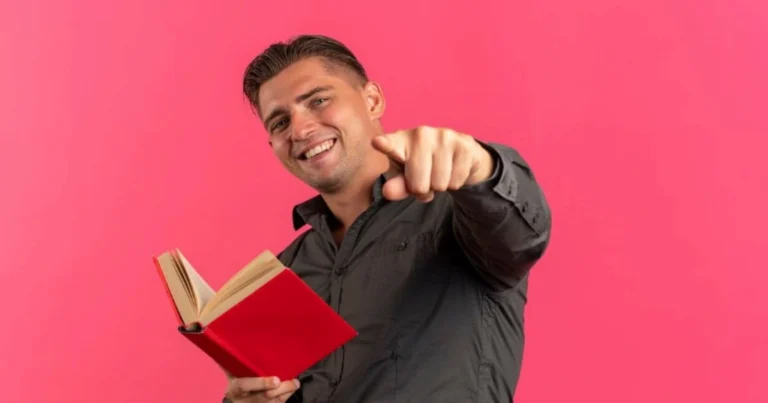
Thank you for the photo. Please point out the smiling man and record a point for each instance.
(422, 239)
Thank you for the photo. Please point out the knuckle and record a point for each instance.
(419, 134)
(467, 140)
(424, 132)
(448, 137)
(419, 188)
(454, 185)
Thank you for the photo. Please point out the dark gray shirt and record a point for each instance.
(436, 290)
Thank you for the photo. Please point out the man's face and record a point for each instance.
(320, 122)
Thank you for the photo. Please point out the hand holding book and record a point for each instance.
(266, 389)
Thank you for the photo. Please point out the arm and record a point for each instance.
(503, 223)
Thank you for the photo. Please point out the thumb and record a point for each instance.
(395, 188)
(394, 146)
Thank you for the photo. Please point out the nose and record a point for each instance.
(303, 126)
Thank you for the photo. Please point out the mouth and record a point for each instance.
(317, 150)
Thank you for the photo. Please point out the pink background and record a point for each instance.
(123, 133)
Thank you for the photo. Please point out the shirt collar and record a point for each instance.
(308, 211)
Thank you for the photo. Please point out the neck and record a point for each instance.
(347, 204)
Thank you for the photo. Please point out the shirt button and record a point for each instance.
(340, 271)
(334, 382)
(525, 207)
(402, 245)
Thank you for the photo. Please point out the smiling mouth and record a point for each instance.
(318, 149)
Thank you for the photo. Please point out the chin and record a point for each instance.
(327, 187)
(329, 184)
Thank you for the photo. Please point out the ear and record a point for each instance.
(374, 100)
(270, 143)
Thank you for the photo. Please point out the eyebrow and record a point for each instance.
(299, 99)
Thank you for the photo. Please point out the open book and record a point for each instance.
(264, 321)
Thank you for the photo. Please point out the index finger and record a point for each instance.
(395, 145)
(395, 168)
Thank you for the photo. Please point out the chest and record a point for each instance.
(367, 277)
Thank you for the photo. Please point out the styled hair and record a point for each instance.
(281, 55)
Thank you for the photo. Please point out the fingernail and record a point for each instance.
(298, 384)
(276, 381)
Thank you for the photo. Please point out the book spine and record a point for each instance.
(218, 350)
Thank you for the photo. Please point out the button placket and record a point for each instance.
(340, 269)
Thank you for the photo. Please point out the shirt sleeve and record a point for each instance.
(504, 223)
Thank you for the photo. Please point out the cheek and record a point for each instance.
(331, 115)
(281, 148)
(348, 119)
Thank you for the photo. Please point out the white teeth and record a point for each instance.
(318, 149)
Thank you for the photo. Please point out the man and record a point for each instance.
(421, 239)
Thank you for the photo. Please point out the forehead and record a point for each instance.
(294, 80)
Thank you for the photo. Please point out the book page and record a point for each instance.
(202, 292)
(179, 288)
(258, 272)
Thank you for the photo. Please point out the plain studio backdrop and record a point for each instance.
(123, 133)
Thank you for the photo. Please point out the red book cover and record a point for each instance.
(282, 329)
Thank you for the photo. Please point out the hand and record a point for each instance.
(260, 390)
(428, 160)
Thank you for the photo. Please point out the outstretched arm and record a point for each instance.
(502, 222)
(500, 215)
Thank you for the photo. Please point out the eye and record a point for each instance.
(318, 101)
(277, 126)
